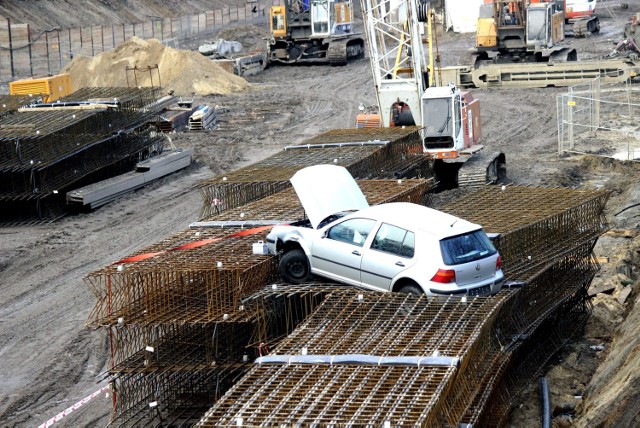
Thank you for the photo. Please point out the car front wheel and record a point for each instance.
(294, 267)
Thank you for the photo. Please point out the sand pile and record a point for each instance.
(183, 72)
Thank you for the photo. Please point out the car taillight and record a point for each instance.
(444, 276)
(499, 263)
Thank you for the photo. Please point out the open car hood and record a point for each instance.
(325, 190)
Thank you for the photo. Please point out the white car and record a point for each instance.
(399, 246)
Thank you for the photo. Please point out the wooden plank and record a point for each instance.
(623, 233)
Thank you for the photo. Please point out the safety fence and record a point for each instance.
(26, 53)
(599, 119)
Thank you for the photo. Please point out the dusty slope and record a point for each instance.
(48, 361)
(45, 14)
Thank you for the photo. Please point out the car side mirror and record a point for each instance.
(324, 234)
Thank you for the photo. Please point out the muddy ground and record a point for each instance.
(49, 360)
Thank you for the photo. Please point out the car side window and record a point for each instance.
(353, 231)
(394, 240)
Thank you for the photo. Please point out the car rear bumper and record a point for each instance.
(482, 290)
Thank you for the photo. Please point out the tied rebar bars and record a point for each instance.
(183, 327)
(284, 206)
(366, 153)
(486, 345)
(45, 152)
(360, 325)
(536, 225)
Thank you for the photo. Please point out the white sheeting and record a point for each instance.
(462, 15)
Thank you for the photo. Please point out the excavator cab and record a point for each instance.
(314, 31)
(451, 121)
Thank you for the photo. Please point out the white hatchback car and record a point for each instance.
(399, 246)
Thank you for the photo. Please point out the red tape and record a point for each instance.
(195, 244)
(71, 409)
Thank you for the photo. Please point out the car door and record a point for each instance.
(338, 253)
(392, 250)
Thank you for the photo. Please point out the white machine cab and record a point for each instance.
(398, 246)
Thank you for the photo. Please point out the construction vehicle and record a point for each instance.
(309, 31)
(516, 31)
(409, 93)
(580, 18)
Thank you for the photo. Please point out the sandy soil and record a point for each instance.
(49, 360)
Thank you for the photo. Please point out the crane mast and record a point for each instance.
(400, 65)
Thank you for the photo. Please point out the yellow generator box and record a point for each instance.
(50, 88)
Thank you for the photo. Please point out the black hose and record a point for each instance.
(626, 208)
(545, 405)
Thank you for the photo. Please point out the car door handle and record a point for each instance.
(400, 264)
(356, 253)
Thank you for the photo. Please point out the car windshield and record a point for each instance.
(466, 248)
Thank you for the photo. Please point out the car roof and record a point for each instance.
(418, 217)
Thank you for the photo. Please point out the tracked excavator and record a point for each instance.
(314, 31)
(580, 17)
(409, 94)
(531, 31)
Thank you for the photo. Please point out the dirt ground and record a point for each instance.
(49, 360)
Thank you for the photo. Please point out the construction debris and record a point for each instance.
(202, 118)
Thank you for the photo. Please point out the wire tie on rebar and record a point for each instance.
(153, 404)
(149, 348)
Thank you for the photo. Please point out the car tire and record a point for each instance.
(294, 267)
(411, 289)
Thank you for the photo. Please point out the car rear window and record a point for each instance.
(466, 248)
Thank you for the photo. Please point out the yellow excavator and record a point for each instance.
(314, 31)
(522, 31)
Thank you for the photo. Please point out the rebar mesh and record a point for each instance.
(400, 157)
(45, 152)
(174, 295)
(285, 206)
(536, 224)
(193, 285)
(485, 345)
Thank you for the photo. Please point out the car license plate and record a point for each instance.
(485, 289)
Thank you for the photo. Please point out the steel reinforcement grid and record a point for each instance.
(558, 284)
(469, 390)
(44, 152)
(366, 358)
(361, 151)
